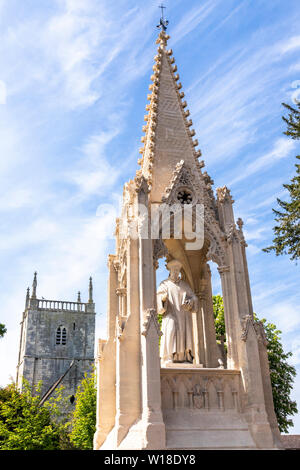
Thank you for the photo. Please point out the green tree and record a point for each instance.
(24, 425)
(292, 121)
(281, 372)
(2, 330)
(84, 418)
(287, 229)
(219, 316)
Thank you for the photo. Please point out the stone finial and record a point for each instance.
(27, 298)
(240, 223)
(91, 291)
(224, 195)
(207, 179)
(162, 39)
(78, 297)
(34, 286)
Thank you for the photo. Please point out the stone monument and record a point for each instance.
(179, 394)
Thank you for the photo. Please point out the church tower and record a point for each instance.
(207, 403)
(57, 341)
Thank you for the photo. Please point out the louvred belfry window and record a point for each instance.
(61, 335)
(58, 335)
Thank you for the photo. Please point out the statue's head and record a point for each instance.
(174, 267)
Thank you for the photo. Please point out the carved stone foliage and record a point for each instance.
(200, 390)
(223, 195)
(260, 331)
(217, 247)
(150, 316)
(159, 250)
(232, 234)
(119, 328)
(249, 322)
(100, 350)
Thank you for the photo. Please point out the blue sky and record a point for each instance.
(74, 76)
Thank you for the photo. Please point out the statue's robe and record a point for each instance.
(177, 339)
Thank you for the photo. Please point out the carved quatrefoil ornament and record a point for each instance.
(185, 196)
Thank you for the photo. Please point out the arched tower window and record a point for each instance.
(61, 335)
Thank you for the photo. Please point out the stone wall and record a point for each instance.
(291, 441)
(41, 359)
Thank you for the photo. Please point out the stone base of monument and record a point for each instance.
(203, 409)
(143, 434)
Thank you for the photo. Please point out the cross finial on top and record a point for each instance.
(162, 22)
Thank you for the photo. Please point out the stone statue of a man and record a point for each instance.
(176, 301)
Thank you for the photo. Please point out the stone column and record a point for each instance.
(267, 385)
(128, 375)
(243, 348)
(113, 305)
(243, 243)
(231, 336)
(152, 422)
(203, 346)
(106, 364)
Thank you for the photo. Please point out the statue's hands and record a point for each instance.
(188, 304)
(164, 304)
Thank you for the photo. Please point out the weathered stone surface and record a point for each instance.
(41, 358)
(291, 441)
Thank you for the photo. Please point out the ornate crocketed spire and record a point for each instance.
(91, 291)
(34, 286)
(168, 135)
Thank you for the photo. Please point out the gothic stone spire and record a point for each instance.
(168, 135)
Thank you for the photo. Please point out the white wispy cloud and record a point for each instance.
(93, 172)
(192, 19)
(3, 92)
(281, 149)
(291, 44)
(234, 96)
